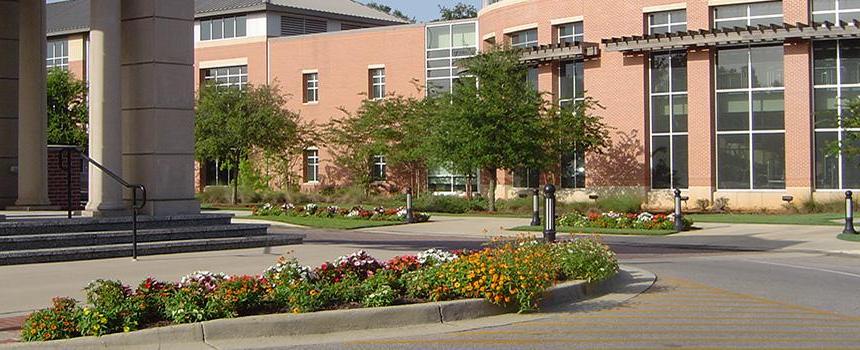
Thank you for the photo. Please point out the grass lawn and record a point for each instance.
(849, 237)
(484, 214)
(332, 223)
(599, 231)
(224, 207)
(786, 219)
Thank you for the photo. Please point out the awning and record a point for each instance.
(733, 36)
(560, 52)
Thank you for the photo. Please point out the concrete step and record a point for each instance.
(87, 239)
(149, 248)
(90, 224)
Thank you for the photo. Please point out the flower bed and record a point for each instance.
(358, 213)
(640, 221)
(509, 273)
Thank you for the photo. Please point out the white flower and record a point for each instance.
(435, 256)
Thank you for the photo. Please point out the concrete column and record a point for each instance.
(8, 103)
(32, 106)
(105, 146)
(158, 102)
(799, 146)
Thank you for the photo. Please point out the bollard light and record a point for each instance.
(679, 215)
(535, 207)
(410, 217)
(549, 219)
(849, 214)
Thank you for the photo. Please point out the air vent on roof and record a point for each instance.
(349, 26)
(298, 26)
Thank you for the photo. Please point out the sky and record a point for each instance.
(422, 10)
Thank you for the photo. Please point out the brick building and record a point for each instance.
(734, 99)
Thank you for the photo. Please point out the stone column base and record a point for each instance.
(34, 207)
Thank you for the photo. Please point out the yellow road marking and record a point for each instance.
(670, 331)
(709, 318)
(532, 341)
(689, 324)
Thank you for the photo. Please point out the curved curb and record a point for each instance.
(279, 325)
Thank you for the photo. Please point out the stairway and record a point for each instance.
(51, 240)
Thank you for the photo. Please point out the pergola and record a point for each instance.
(141, 98)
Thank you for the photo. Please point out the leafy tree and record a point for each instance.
(458, 11)
(387, 9)
(493, 125)
(232, 123)
(850, 145)
(67, 109)
(391, 127)
(576, 128)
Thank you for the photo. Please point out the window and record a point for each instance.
(668, 101)
(311, 82)
(570, 33)
(236, 76)
(524, 39)
(223, 28)
(750, 113)
(836, 80)
(446, 44)
(312, 165)
(377, 83)
(299, 25)
(58, 54)
(743, 15)
(667, 22)
(834, 11)
(441, 180)
(570, 83)
(532, 76)
(526, 178)
(573, 170)
(217, 175)
(379, 167)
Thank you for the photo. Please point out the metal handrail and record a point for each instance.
(67, 155)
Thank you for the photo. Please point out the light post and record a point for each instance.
(849, 214)
(535, 207)
(679, 215)
(549, 219)
(410, 217)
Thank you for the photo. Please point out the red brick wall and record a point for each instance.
(57, 177)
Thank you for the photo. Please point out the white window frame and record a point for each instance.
(577, 37)
(311, 82)
(751, 132)
(670, 24)
(312, 161)
(840, 105)
(235, 34)
(530, 42)
(671, 133)
(377, 81)
(749, 17)
(575, 99)
(451, 59)
(212, 75)
(380, 168)
(57, 61)
(835, 14)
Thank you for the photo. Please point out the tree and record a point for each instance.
(576, 129)
(850, 145)
(391, 127)
(387, 9)
(459, 11)
(67, 109)
(493, 125)
(231, 123)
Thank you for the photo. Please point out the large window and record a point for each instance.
(668, 96)
(58, 54)
(570, 33)
(836, 79)
(752, 14)
(377, 83)
(236, 76)
(378, 173)
(311, 82)
(526, 178)
(573, 170)
(750, 118)
(524, 38)
(446, 44)
(223, 28)
(441, 180)
(834, 11)
(667, 22)
(312, 165)
(217, 174)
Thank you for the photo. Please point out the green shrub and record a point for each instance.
(236, 296)
(112, 301)
(150, 298)
(622, 203)
(185, 305)
(586, 259)
(381, 289)
(298, 297)
(91, 322)
(347, 290)
(215, 195)
(57, 322)
(448, 204)
(835, 206)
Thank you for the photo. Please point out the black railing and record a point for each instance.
(66, 157)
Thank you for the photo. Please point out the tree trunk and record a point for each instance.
(491, 191)
(469, 187)
(234, 198)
